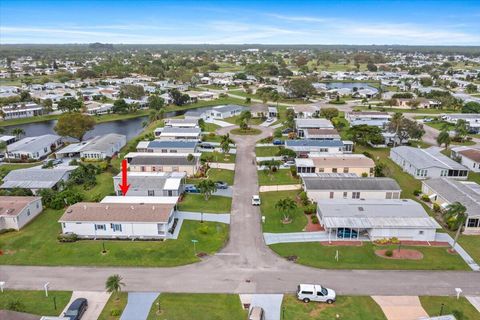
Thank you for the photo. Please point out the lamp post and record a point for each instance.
(103, 247)
(45, 287)
(194, 241)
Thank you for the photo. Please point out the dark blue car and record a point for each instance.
(191, 189)
(76, 310)
(277, 142)
(346, 233)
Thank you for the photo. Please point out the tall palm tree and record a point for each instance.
(286, 206)
(114, 284)
(456, 215)
(395, 124)
(17, 132)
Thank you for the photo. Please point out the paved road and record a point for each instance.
(245, 265)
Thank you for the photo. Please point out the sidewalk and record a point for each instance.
(444, 237)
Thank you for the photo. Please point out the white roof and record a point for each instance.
(139, 199)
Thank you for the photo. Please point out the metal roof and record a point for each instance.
(35, 178)
(313, 143)
(313, 123)
(172, 144)
(345, 183)
(426, 158)
(32, 144)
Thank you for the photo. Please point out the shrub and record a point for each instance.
(364, 175)
(115, 313)
(293, 171)
(394, 240)
(67, 237)
(314, 219)
(425, 198)
(310, 208)
(204, 229)
(389, 253)
(16, 305)
(436, 207)
(417, 192)
(304, 198)
(367, 154)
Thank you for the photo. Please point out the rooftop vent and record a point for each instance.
(360, 208)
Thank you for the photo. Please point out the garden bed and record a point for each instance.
(402, 254)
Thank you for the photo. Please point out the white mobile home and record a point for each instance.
(33, 147)
(16, 212)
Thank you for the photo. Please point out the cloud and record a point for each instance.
(299, 18)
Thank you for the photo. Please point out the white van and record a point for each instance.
(314, 292)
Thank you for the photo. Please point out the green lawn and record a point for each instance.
(346, 307)
(210, 127)
(246, 132)
(363, 257)
(267, 151)
(216, 175)
(114, 305)
(471, 243)
(273, 217)
(103, 188)
(253, 121)
(218, 157)
(37, 244)
(211, 138)
(181, 306)
(451, 305)
(280, 177)
(388, 109)
(35, 302)
(197, 203)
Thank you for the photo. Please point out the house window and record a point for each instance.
(28, 212)
(38, 205)
(321, 169)
(116, 227)
(420, 232)
(355, 195)
(175, 169)
(100, 227)
(151, 193)
(345, 170)
(334, 170)
(388, 195)
(164, 150)
(331, 195)
(473, 223)
(345, 195)
(63, 224)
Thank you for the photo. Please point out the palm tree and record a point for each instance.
(395, 124)
(114, 284)
(207, 187)
(190, 157)
(456, 217)
(444, 138)
(156, 115)
(17, 132)
(286, 206)
(225, 142)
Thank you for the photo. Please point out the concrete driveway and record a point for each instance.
(271, 304)
(401, 307)
(138, 305)
(96, 301)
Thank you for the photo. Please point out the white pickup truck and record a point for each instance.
(256, 200)
(315, 292)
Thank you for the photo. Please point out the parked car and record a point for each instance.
(315, 292)
(57, 162)
(191, 189)
(347, 233)
(427, 120)
(207, 146)
(277, 142)
(269, 119)
(287, 131)
(256, 313)
(256, 200)
(76, 310)
(289, 163)
(221, 185)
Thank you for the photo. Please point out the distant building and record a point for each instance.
(36, 179)
(468, 156)
(302, 125)
(152, 184)
(306, 147)
(175, 133)
(336, 163)
(98, 148)
(472, 119)
(377, 119)
(163, 162)
(16, 212)
(22, 111)
(321, 134)
(168, 146)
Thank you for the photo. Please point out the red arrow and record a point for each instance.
(124, 185)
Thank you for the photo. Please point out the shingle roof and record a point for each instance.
(357, 184)
(117, 212)
(426, 158)
(12, 206)
(465, 192)
(473, 154)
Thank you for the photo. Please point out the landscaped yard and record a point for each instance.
(114, 307)
(346, 307)
(461, 308)
(253, 121)
(267, 151)
(274, 217)
(35, 302)
(280, 177)
(103, 188)
(180, 306)
(246, 132)
(37, 244)
(197, 203)
(218, 157)
(363, 257)
(216, 175)
(210, 127)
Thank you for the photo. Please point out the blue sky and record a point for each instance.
(237, 22)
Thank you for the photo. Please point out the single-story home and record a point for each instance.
(447, 191)
(100, 147)
(427, 163)
(320, 188)
(168, 146)
(377, 219)
(8, 139)
(305, 147)
(33, 147)
(222, 112)
(321, 134)
(305, 111)
(259, 110)
(181, 123)
(36, 178)
(378, 119)
(467, 156)
(333, 163)
(174, 133)
(22, 111)
(152, 184)
(16, 212)
(472, 119)
(163, 162)
(301, 125)
(132, 220)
